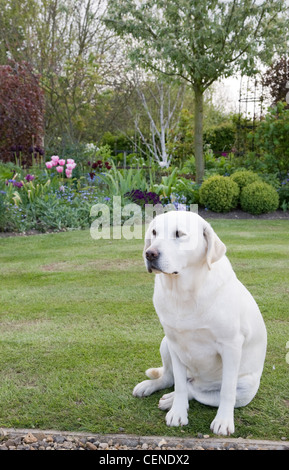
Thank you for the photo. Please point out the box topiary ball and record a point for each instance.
(219, 193)
(244, 177)
(259, 198)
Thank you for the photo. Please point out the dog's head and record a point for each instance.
(178, 239)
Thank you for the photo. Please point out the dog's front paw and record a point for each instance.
(144, 389)
(223, 426)
(177, 417)
(166, 402)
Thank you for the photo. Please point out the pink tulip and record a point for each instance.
(70, 160)
(55, 158)
(49, 165)
(59, 169)
(68, 173)
(61, 162)
(70, 166)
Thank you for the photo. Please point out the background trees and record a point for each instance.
(83, 54)
(199, 41)
(77, 58)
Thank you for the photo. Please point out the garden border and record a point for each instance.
(206, 214)
(32, 439)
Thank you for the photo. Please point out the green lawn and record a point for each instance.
(78, 330)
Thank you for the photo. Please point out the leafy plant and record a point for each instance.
(167, 185)
(188, 189)
(119, 182)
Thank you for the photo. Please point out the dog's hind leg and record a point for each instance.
(207, 397)
(160, 377)
(247, 387)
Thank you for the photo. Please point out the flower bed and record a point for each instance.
(59, 194)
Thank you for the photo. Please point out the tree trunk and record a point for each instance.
(199, 157)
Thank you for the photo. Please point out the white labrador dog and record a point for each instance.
(215, 338)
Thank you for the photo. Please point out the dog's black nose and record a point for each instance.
(152, 255)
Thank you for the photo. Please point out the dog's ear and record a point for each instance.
(215, 247)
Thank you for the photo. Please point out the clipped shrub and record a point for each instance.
(245, 177)
(219, 193)
(259, 198)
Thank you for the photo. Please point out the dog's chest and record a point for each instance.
(178, 312)
(189, 330)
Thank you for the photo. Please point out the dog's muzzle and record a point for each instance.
(152, 257)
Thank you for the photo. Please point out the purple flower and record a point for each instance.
(143, 197)
(18, 184)
(29, 177)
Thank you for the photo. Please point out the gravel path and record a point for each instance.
(27, 439)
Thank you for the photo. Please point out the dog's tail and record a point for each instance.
(154, 373)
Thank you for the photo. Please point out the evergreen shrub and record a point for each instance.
(259, 198)
(219, 193)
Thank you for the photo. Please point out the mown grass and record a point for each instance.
(78, 330)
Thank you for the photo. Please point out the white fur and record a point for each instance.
(215, 338)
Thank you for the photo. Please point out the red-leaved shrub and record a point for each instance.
(21, 114)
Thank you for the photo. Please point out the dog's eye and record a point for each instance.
(177, 234)
(154, 232)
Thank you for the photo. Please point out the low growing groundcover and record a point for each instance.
(78, 329)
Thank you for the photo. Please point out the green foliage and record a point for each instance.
(181, 139)
(271, 139)
(283, 192)
(3, 212)
(244, 177)
(117, 142)
(221, 138)
(189, 166)
(6, 171)
(200, 41)
(219, 193)
(259, 198)
(187, 189)
(223, 165)
(167, 185)
(119, 182)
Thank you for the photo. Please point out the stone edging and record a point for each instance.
(32, 439)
